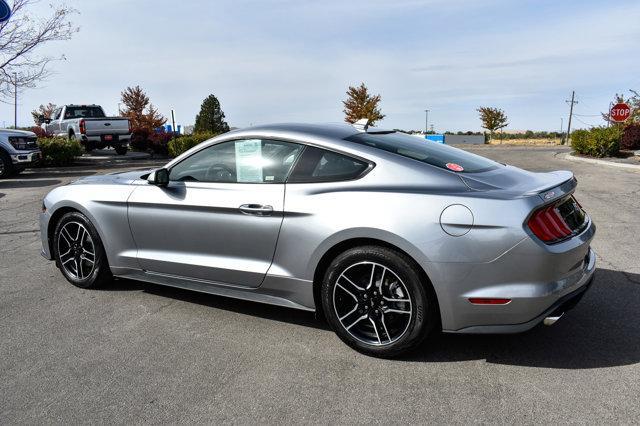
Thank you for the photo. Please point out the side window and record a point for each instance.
(241, 161)
(319, 165)
(56, 114)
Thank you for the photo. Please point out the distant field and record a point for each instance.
(541, 141)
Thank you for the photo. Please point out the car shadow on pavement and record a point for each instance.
(603, 330)
(245, 307)
(28, 183)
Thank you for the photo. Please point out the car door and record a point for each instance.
(53, 127)
(219, 217)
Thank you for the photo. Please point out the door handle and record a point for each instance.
(256, 209)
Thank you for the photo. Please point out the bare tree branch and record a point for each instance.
(21, 37)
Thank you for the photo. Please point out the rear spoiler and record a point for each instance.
(558, 191)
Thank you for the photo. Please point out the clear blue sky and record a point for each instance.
(277, 61)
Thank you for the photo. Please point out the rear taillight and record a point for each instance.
(83, 127)
(550, 224)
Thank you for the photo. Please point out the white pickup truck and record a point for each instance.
(89, 125)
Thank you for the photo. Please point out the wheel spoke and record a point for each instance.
(397, 311)
(373, 272)
(80, 272)
(384, 325)
(351, 283)
(356, 321)
(375, 328)
(347, 291)
(389, 299)
(67, 235)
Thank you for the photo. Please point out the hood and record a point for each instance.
(14, 132)
(514, 181)
(119, 178)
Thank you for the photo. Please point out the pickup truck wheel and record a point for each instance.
(6, 166)
(122, 149)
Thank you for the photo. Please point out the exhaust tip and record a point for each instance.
(552, 319)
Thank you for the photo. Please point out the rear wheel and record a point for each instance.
(6, 166)
(79, 252)
(376, 303)
(121, 149)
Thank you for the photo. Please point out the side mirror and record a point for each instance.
(159, 177)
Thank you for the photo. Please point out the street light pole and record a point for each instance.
(15, 100)
(426, 121)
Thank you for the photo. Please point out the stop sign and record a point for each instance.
(620, 112)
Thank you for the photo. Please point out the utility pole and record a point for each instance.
(426, 122)
(572, 102)
(15, 100)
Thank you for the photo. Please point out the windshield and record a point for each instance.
(436, 154)
(84, 112)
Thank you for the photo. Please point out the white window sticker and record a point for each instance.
(249, 160)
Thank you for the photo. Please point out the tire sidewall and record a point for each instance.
(8, 169)
(101, 265)
(422, 321)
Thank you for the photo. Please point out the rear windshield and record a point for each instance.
(436, 154)
(84, 112)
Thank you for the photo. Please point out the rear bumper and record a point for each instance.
(551, 314)
(533, 275)
(117, 139)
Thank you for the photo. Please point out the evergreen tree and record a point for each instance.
(211, 117)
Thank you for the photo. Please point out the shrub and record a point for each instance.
(631, 137)
(184, 143)
(597, 142)
(158, 143)
(139, 139)
(57, 151)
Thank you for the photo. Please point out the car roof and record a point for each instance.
(323, 130)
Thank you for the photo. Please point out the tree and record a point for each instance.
(43, 111)
(492, 119)
(360, 104)
(20, 39)
(141, 114)
(211, 117)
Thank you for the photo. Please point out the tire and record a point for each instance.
(360, 288)
(121, 149)
(6, 165)
(80, 268)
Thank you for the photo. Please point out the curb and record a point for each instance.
(569, 156)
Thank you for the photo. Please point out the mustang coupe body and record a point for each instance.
(389, 236)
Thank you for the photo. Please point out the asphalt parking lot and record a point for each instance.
(137, 353)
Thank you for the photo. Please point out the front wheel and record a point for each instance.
(79, 252)
(6, 166)
(375, 301)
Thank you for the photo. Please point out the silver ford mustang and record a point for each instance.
(389, 236)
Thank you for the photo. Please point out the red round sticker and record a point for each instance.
(455, 167)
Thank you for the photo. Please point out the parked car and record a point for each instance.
(18, 150)
(89, 125)
(388, 236)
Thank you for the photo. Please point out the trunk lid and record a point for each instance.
(509, 181)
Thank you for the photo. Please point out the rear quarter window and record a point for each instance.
(319, 165)
(435, 154)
